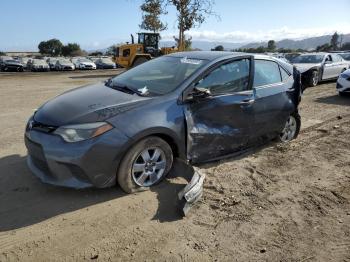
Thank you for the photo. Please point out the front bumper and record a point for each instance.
(89, 163)
(343, 85)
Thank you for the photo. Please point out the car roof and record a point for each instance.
(214, 55)
(206, 55)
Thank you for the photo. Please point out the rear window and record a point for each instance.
(266, 73)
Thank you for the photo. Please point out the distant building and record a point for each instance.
(14, 53)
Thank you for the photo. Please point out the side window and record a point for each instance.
(284, 74)
(328, 58)
(126, 52)
(227, 78)
(336, 58)
(266, 73)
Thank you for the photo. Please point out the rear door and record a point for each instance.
(328, 68)
(272, 104)
(221, 122)
(339, 64)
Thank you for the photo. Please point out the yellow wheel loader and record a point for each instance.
(147, 47)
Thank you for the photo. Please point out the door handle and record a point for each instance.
(247, 101)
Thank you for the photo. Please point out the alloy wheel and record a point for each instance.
(289, 130)
(148, 167)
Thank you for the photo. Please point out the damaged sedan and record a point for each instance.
(317, 67)
(197, 106)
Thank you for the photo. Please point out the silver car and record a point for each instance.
(343, 83)
(317, 67)
(63, 64)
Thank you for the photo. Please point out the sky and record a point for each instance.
(99, 24)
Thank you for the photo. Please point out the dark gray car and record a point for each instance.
(198, 106)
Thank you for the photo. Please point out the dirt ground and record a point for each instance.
(287, 202)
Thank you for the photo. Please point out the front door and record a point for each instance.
(221, 122)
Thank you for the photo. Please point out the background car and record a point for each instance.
(36, 65)
(198, 106)
(317, 67)
(63, 64)
(52, 63)
(24, 61)
(84, 63)
(3, 58)
(11, 65)
(343, 83)
(105, 63)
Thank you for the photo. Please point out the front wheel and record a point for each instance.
(145, 164)
(314, 78)
(291, 128)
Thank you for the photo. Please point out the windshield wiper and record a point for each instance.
(122, 88)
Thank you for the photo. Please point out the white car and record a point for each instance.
(84, 63)
(343, 83)
(63, 64)
(317, 67)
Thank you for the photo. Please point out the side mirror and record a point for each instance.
(199, 92)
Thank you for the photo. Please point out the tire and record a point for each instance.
(342, 94)
(313, 78)
(135, 174)
(139, 61)
(291, 128)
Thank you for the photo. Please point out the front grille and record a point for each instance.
(40, 164)
(37, 155)
(34, 125)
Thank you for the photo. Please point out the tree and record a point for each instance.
(190, 13)
(151, 11)
(2, 53)
(345, 46)
(96, 53)
(218, 48)
(52, 47)
(334, 41)
(112, 50)
(187, 42)
(271, 45)
(72, 49)
(324, 48)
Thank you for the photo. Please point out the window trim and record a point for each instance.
(216, 65)
(272, 84)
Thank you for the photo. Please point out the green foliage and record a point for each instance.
(335, 41)
(2, 53)
(218, 48)
(151, 11)
(324, 48)
(190, 13)
(271, 45)
(346, 46)
(112, 50)
(187, 43)
(262, 49)
(52, 47)
(96, 53)
(72, 49)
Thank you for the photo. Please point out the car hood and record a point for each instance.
(13, 63)
(66, 64)
(306, 66)
(92, 103)
(87, 63)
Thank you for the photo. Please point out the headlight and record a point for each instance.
(75, 133)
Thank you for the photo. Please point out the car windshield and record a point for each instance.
(39, 62)
(84, 60)
(64, 61)
(11, 61)
(345, 56)
(159, 76)
(106, 60)
(309, 59)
